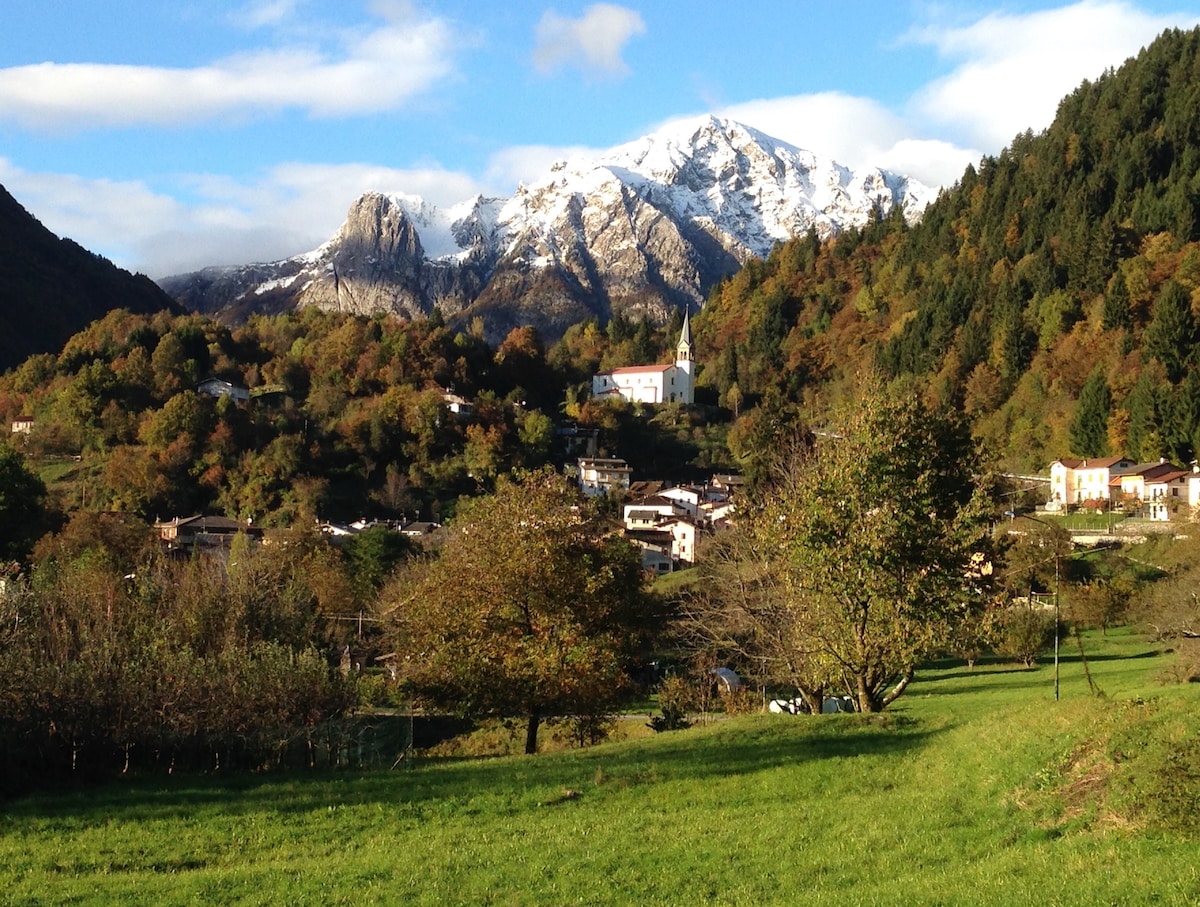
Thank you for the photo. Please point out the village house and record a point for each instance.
(1193, 491)
(203, 532)
(1129, 484)
(684, 534)
(656, 548)
(724, 487)
(643, 489)
(1073, 481)
(22, 425)
(653, 383)
(217, 387)
(460, 406)
(686, 497)
(716, 513)
(420, 528)
(651, 510)
(1167, 493)
(667, 543)
(599, 476)
(577, 441)
(641, 518)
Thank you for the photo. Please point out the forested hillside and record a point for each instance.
(1053, 292)
(346, 414)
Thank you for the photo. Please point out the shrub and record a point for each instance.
(1024, 633)
(741, 701)
(676, 696)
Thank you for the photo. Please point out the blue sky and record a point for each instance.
(169, 136)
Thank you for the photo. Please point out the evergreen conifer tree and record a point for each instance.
(1089, 428)
(1172, 329)
(1116, 304)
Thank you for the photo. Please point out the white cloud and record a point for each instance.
(1010, 73)
(1006, 73)
(213, 220)
(104, 216)
(852, 130)
(934, 162)
(382, 68)
(1013, 70)
(592, 43)
(261, 13)
(526, 163)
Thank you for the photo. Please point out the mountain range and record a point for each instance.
(647, 227)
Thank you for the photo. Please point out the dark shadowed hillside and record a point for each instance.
(51, 288)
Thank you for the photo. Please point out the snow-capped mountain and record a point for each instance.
(646, 227)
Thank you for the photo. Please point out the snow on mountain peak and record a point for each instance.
(723, 175)
(650, 224)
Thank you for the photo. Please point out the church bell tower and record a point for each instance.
(684, 357)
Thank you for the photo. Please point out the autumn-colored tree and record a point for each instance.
(532, 608)
(877, 534)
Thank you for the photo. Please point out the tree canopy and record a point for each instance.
(532, 608)
(865, 550)
(21, 497)
(1071, 249)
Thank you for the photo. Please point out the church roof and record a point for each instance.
(632, 369)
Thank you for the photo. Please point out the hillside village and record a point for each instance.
(665, 521)
(480, 524)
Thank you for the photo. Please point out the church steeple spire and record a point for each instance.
(683, 349)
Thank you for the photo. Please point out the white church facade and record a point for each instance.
(653, 383)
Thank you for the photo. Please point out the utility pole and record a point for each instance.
(1057, 586)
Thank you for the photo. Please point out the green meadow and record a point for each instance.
(975, 788)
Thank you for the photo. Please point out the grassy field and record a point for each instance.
(977, 788)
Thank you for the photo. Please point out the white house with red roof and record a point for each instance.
(653, 383)
(1134, 481)
(1168, 492)
(1073, 481)
(599, 476)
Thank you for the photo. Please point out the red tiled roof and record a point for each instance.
(1168, 477)
(633, 369)
(1101, 462)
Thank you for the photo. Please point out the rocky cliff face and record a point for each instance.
(650, 226)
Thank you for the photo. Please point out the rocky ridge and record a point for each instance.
(649, 226)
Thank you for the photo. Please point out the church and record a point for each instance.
(653, 383)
